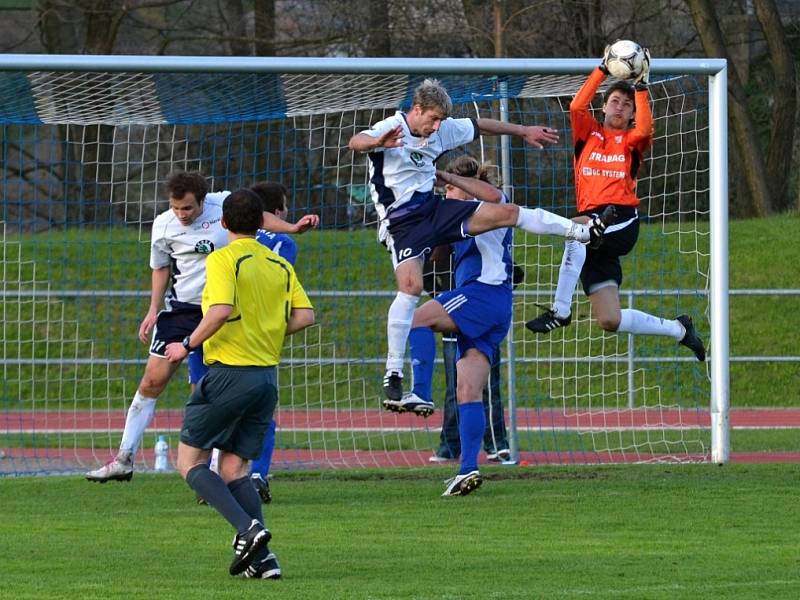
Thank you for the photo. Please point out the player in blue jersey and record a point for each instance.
(402, 151)
(477, 310)
(274, 201)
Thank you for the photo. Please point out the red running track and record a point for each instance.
(55, 421)
(318, 420)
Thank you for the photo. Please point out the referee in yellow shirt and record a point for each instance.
(251, 301)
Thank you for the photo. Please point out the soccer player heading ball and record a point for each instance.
(402, 150)
(607, 159)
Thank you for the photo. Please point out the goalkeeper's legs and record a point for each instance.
(607, 313)
(560, 315)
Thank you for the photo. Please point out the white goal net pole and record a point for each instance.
(720, 366)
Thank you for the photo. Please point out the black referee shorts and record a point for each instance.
(602, 264)
(231, 409)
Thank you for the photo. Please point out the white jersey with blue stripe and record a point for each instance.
(185, 248)
(396, 174)
(281, 244)
(485, 258)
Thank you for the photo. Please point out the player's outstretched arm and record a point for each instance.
(274, 223)
(534, 135)
(476, 188)
(159, 282)
(362, 142)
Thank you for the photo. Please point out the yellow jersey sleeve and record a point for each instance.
(220, 285)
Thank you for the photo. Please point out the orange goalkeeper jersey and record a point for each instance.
(607, 161)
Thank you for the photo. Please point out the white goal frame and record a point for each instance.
(714, 69)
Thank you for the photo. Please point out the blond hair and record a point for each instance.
(468, 166)
(431, 94)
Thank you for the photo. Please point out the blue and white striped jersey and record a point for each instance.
(280, 243)
(396, 174)
(485, 258)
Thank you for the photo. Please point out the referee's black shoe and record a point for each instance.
(690, 339)
(261, 486)
(246, 545)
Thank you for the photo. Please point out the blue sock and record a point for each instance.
(262, 463)
(423, 353)
(471, 423)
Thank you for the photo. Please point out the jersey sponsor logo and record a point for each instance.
(607, 158)
(417, 158)
(204, 247)
(590, 172)
(207, 224)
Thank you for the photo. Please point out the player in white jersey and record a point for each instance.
(182, 238)
(402, 151)
(477, 310)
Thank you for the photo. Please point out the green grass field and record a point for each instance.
(644, 531)
(114, 259)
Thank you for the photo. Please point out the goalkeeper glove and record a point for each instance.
(641, 82)
(604, 61)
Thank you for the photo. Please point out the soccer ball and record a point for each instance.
(625, 59)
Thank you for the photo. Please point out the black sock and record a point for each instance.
(211, 488)
(246, 495)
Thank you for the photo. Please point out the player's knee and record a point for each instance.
(151, 387)
(507, 214)
(608, 322)
(467, 391)
(410, 286)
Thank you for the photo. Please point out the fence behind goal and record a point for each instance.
(88, 143)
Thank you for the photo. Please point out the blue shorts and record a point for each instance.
(174, 325)
(197, 368)
(433, 222)
(482, 313)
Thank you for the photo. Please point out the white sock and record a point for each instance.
(401, 313)
(140, 414)
(636, 321)
(536, 220)
(568, 275)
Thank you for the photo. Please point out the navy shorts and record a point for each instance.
(434, 222)
(231, 409)
(197, 368)
(174, 325)
(602, 264)
(482, 313)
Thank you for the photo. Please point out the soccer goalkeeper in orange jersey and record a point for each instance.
(607, 158)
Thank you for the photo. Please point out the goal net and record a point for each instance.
(86, 155)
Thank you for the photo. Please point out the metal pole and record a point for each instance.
(630, 358)
(505, 175)
(718, 166)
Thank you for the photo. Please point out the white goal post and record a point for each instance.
(556, 77)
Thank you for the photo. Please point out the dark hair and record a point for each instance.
(182, 182)
(273, 195)
(620, 86)
(468, 166)
(242, 212)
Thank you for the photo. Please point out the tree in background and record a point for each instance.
(750, 33)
